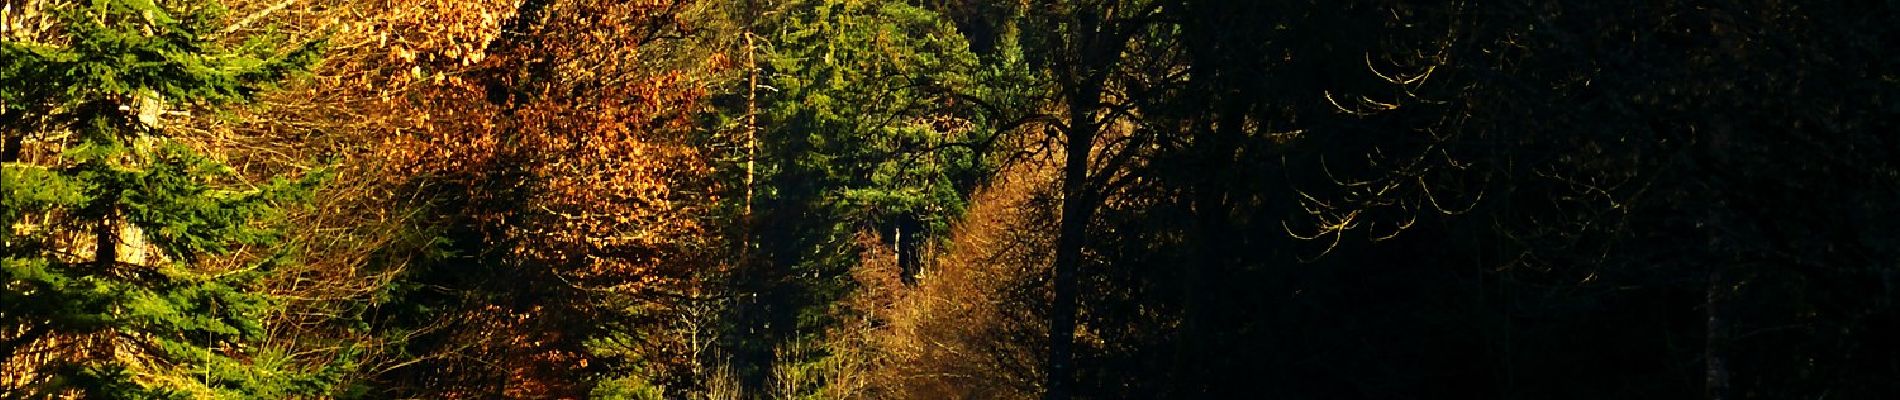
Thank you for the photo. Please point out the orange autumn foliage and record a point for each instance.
(546, 128)
(588, 154)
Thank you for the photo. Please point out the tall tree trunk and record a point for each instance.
(1078, 206)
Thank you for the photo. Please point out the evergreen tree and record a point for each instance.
(855, 132)
(108, 247)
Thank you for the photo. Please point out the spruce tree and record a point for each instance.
(106, 247)
(856, 131)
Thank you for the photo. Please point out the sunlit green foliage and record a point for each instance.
(857, 130)
(107, 248)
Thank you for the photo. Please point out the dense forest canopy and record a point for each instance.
(818, 199)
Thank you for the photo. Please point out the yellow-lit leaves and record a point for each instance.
(565, 149)
(579, 169)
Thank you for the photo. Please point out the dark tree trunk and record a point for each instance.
(1078, 206)
(106, 251)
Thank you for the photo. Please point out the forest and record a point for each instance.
(949, 199)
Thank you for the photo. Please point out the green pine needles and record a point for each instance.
(104, 248)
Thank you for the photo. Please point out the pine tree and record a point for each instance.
(855, 130)
(107, 253)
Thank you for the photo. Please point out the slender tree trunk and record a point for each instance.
(1077, 208)
(106, 245)
(751, 121)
